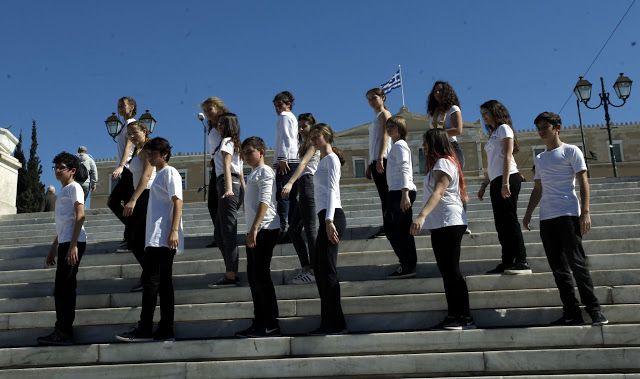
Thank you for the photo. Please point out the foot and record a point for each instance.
(137, 288)
(135, 335)
(518, 268)
(568, 320)
(225, 282)
(449, 320)
(400, 273)
(303, 278)
(164, 335)
(461, 323)
(212, 244)
(498, 270)
(379, 234)
(598, 318)
(245, 333)
(467, 231)
(57, 338)
(265, 332)
(123, 247)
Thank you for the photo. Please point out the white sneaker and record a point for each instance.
(303, 278)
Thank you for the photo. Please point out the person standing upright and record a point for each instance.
(90, 164)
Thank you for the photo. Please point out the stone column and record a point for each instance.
(8, 173)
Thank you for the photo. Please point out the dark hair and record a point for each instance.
(305, 144)
(230, 128)
(502, 116)
(160, 145)
(449, 98)
(255, 142)
(220, 107)
(131, 102)
(327, 133)
(437, 146)
(401, 124)
(378, 92)
(286, 97)
(69, 160)
(550, 117)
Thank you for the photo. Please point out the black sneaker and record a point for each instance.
(518, 268)
(225, 282)
(245, 333)
(137, 288)
(598, 318)
(265, 332)
(135, 335)
(568, 320)
(57, 338)
(449, 320)
(212, 244)
(461, 323)
(499, 269)
(164, 335)
(402, 274)
(123, 247)
(379, 234)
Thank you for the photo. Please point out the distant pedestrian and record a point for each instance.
(90, 164)
(49, 200)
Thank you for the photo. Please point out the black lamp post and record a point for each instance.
(204, 163)
(149, 121)
(622, 87)
(114, 126)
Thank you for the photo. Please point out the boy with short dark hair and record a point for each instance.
(164, 238)
(264, 228)
(69, 245)
(562, 220)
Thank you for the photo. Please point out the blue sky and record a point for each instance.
(65, 63)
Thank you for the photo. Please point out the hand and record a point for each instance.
(405, 203)
(128, 209)
(283, 167)
(525, 221)
(227, 194)
(93, 188)
(332, 233)
(51, 257)
(367, 173)
(251, 238)
(286, 189)
(585, 223)
(416, 226)
(173, 241)
(506, 191)
(72, 255)
(116, 173)
(379, 166)
(481, 191)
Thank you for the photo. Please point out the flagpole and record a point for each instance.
(401, 84)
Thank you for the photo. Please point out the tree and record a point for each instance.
(30, 189)
(22, 197)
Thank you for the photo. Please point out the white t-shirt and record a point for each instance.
(121, 139)
(214, 140)
(495, 157)
(167, 184)
(312, 165)
(448, 122)
(449, 211)
(399, 167)
(557, 171)
(375, 137)
(65, 213)
(261, 188)
(286, 145)
(236, 163)
(137, 167)
(326, 185)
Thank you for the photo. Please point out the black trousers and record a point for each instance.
(265, 305)
(446, 247)
(212, 196)
(304, 216)
(157, 280)
(65, 287)
(226, 224)
(326, 272)
(286, 205)
(120, 194)
(135, 230)
(505, 215)
(380, 181)
(397, 225)
(562, 243)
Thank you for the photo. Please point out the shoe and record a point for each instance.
(137, 288)
(135, 335)
(518, 268)
(467, 231)
(461, 323)
(379, 234)
(303, 278)
(123, 247)
(402, 274)
(245, 333)
(166, 336)
(212, 244)
(225, 282)
(325, 332)
(598, 318)
(499, 269)
(265, 332)
(283, 237)
(57, 338)
(449, 320)
(568, 320)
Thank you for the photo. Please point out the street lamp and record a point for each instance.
(204, 154)
(114, 126)
(149, 121)
(622, 87)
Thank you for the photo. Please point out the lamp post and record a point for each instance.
(622, 87)
(584, 146)
(148, 120)
(204, 155)
(114, 126)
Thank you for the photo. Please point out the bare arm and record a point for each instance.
(123, 160)
(383, 141)
(456, 120)
(483, 186)
(442, 182)
(142, 185)
(296, 174)
(534, 200)
(72, 254)
(173, 239)
(507, 151)
(585, 217)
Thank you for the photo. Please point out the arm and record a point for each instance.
(333, 188)
(123, 160)
(383, 141)
(483, 185)
(507, 151)
(173, 239)
(406, 170)
(585, 218)
(51, 257)
(142, 185)
(252, 234)
(284, 125)
(534, 199)
(296, 174)
(72, 254)
(226, 157)
(93, 174)
(442, 182)
(456, 120)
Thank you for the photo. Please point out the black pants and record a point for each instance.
(286, 205)
(326, 272)
(120, 194)
(226, 224)
(446, 247)
(212, 196)
(459, 153)
(304, 216)
(156, 280)
(505, 215)
(562, 243)
(397, 225)
(380, 181)
(135, 230)
(65, 288)
(265, 305)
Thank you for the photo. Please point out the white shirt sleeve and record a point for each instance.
(333, 186)
(406, 171)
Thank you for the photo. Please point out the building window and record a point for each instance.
(359, 168)
(617, 151)
(421, 161)
(183, 175)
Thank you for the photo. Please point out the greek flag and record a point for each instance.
(394, 82)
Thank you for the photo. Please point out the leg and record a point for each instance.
(150, 286)
(165, 289)
(304, 217)
(380, 181)
(226, 230)
(397, 225)
(121, 193)
(65, 288)
(285, 204)
(212, 196)
(85, 189)
(135, 232)
(505, 214)
(262, 289)
(446, 248)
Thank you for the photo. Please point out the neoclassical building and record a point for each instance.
(354, 143)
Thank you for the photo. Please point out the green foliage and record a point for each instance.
(30, 189)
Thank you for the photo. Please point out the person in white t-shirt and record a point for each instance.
(505, 181)
(264, 229)
(69, 246)
(563, 221)
(164, 238)
(444, 215)
(230, 183)
(444, 108)
(400, 198)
